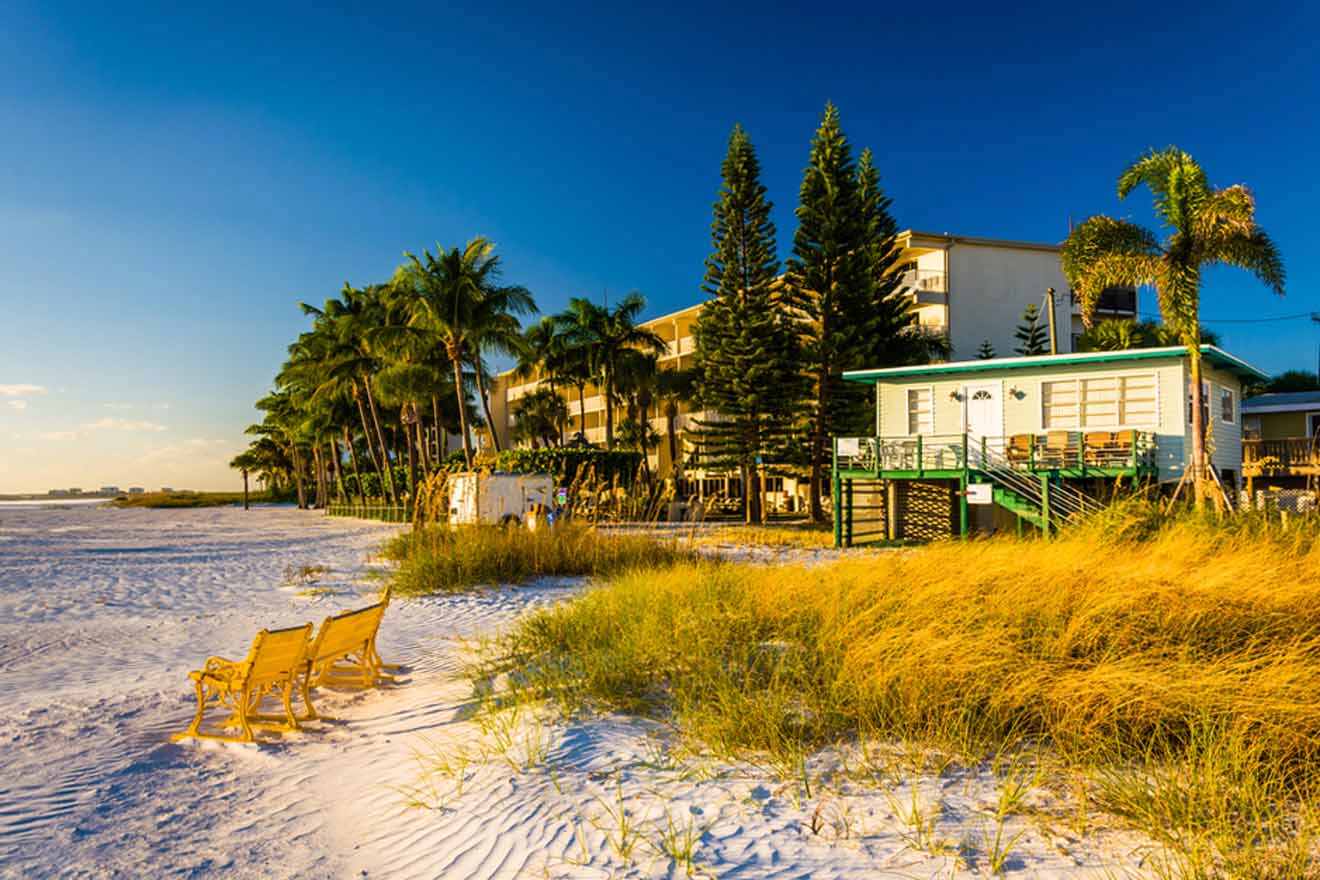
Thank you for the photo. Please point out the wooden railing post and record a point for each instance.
(836, 497)
(921, 458)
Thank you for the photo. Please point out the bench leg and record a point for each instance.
(194, 729)
(307, 698)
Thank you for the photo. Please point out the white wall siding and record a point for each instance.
(990, 287)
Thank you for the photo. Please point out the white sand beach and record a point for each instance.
(103, 612)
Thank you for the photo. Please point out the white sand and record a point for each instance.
(103, 612)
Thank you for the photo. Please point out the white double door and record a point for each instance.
(983, 419)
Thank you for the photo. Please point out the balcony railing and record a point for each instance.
(926, 280)
(1073, 451)
(1283, 457)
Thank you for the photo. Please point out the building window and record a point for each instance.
(1098, 402)
(1226, 405)
(921, 413)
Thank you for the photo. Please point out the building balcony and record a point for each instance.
(921, 281)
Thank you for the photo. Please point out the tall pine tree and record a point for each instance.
(832, 288)
(1030, 334)
(748, 370)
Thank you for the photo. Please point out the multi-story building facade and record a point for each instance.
(970, 289)
(975, 290)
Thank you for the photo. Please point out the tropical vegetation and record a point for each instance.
(1204, 226)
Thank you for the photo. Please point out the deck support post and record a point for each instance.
(891, 510)
(848, 513)
(962, 488)
(1045, 503)
(962, 506)
(921, 459)
(837, 498)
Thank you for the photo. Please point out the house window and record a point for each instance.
(1098, 402)
(1226, 405)
(1058, 402)
(1137, 400)
(921, 412)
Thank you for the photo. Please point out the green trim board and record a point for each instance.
(1213, 354)
(1069, 473)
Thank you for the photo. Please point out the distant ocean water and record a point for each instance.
(53, 502)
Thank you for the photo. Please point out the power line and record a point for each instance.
(1309, 316)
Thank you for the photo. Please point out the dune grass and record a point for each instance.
(438, 559)
(183, 499)
(1165, 669)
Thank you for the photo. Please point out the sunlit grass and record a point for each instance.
(1172, 664)
(787, 536)
(438, 559)
(184, 499)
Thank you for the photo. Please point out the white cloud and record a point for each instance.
(110, 424)
(21, 390)
(59, 435)
(19, 405)
(162, 406)
(118, 405)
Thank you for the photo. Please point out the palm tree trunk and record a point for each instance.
(609, 411)
(357, 473)
(371, 446)
(441, 436)
(582, 411)
(1198, 431)
(384, 450)
(671, 431)
(485, 404)
(336, 469)
(245, 489)
(298, 476)
(424, 448)
(411, 494)
(455, 356)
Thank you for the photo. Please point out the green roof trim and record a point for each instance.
(1216, 356)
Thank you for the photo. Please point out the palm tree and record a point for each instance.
(541, 417)
(496, 329)
(604, 334)
(454, 296)
(1207, 226)
(246, 462)
(673, 388)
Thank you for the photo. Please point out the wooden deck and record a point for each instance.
(1287, 457)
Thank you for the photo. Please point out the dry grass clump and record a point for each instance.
(787, 536)
(1174, 663)
(439, 559)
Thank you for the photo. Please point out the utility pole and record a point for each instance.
(1054, 337)
(1315, 319)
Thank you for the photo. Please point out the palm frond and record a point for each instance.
(1253, 251)
(1102, 253)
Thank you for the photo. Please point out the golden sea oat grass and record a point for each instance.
(1173, 659)
(439, 559)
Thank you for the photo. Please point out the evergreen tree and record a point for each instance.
(986, 351)
(1031, 334)
(843, 284)
(748, 369)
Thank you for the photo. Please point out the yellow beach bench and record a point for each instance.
(344, 653)
(272, 667)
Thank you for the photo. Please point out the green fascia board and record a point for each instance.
(1213, 354)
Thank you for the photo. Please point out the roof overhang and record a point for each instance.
(1215, 356)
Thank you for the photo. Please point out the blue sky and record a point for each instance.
(172, 182)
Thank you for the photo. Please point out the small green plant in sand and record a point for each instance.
(439, 559)
(1163, 667)
(183, 499)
